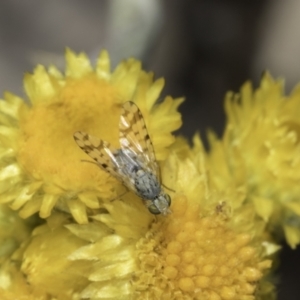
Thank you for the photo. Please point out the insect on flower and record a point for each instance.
(134, 164)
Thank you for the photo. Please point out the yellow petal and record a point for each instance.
(292, 235)
(9, 172)
(31, 207)
(24, 195)
(103, 65)
(78, 211)
(294, 206)
(77, 65)
(47, 205)
(89, 199)
(39, 87)
(263, 207)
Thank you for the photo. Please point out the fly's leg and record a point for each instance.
(168, 188)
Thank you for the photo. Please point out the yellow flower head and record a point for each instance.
(260, 149)
(41, 166)
(211, 246)
(13, 231)
(203, 249)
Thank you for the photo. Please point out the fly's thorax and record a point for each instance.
(160, 205)
(147, 185)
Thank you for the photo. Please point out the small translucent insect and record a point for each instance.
(134, 164)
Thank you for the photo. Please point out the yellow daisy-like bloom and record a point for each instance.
(261, 150)
(204, 249)
(13, 231)
(210, 247)
(41, 166)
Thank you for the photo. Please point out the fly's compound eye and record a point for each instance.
(153, 209)
(168, 198)
(160, 205)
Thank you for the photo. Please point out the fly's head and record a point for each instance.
(160, 204)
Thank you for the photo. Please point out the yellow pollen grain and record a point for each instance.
(228, 293)
(205, 222)
(217, 281)
(212, 259)
(208, 270)
(188, 256)
(233, 262)
(265, 264)
(219, 244)
(242, 239)
(192, 213)
(190, 226)
(246, 253)
(186, 284)
(231, 247)
(189, 270)
(200, 261)
(252, 274)
(227, 281)
(199, 235)
(170, 272)
(247, 288)
(174, 247)
(180, 207)
(192, 245)
(213, 296)
(222, 259)
(224, 271)
(202, 281)
(183, 237)
(211, 233)
(174, 227)
(173, 260)
(231, 235)
(151, 260)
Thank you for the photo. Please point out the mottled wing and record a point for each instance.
(100, 151)
(134, 136)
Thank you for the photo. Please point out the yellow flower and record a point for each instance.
(204, 249)
(211, 246)
(260, 149)
(13, 231)
(41, 166)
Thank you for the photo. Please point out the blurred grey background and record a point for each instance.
(203, 49)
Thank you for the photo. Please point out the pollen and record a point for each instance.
(201, 256)
(50, 119)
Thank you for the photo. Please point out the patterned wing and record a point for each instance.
(134, 136)
(106, 157)
(100, 151)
